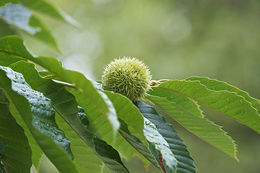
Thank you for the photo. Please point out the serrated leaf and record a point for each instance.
(128, 112)
(201, 127)
(130, 141)
(113, 161)
(131, 130)
(216, 85)
(228, 103)
(43, 113)
(17, 152)
(87, 96)
(15, 89)
(127, 144)
(185, 102)
(160, 144)
(24, 20)
(65, 104)
(184, 161)
(145, 153)
(127, 148)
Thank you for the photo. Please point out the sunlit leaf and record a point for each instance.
(216, 85)
(201, 127)
(228, 103)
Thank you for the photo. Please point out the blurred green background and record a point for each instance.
(176, 39)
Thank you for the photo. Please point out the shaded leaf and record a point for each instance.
(156, 139)
(228, 103)
(85, 158)
(43, 113)
(65, 104)
(15, 88)
(127, 144)
(96, 116)
(24, 20)
(36, 150)
(2, 150)
(130, 141)
(109, 156)
(16, 156)
(184, 161)
(86, 95)
(201, 127)
(145, 153)
(128, 112)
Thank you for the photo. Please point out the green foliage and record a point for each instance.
(85, 158)
(81, 125)
(201, 127)
(45, 8)
(224, 101)
(2, 151)
(15, 152)
(68, 110)
(128, 113)
(176, 145)
(23, 16)
(4, 2)
(24, 20)
(222, 86)
(20, 107)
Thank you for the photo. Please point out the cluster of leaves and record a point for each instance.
(81, 127)
(24, 17)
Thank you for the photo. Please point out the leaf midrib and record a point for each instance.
(29, 59)
(166, 113)
(195, 100)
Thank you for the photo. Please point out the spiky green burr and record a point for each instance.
(127, 76)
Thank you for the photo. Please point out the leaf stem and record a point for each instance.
(64, 83)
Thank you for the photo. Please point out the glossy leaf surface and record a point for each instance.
(184, 161)
(23, 105)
